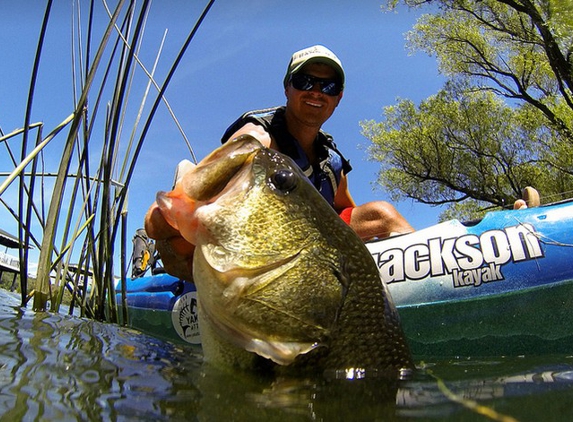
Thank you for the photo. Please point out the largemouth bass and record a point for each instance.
(281, 279)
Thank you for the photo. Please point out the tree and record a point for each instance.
(504, 119)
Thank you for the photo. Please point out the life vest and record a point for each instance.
(325, 175)
(143, 256)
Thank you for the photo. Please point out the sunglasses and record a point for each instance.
(304, 82)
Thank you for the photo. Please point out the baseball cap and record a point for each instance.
(314, 54)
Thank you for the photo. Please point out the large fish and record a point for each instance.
(280, 277)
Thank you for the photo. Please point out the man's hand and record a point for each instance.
(257, 132)
(175, 252)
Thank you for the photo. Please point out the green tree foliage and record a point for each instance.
(504, 119)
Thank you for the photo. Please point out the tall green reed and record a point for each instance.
(87, 229)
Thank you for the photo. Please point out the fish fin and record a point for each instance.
(281, 352)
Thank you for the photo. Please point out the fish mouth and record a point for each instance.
(205, 183)
(213, 174)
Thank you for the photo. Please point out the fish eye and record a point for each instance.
(283, 180)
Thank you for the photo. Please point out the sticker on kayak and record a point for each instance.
(469, 259)
(185, 319)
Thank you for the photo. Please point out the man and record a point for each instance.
(314, 85)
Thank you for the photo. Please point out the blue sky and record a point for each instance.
(235, 63)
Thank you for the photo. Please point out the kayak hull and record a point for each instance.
(526, 322)
(500, 286)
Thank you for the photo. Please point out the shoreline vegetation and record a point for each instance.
(6, 283)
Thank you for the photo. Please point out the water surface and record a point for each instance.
(61, 368)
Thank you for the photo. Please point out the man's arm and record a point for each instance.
(342, 198)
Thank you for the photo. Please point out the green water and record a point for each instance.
(60, 368)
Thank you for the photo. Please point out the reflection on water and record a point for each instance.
(55, 367)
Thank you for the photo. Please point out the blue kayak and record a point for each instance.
(502, 285)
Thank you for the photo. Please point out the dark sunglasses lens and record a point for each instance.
(330, 88)
(306, 83)
(302, 82)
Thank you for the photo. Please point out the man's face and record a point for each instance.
(312, 107)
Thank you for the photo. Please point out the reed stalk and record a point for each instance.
(44, 262)
(84, 218)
